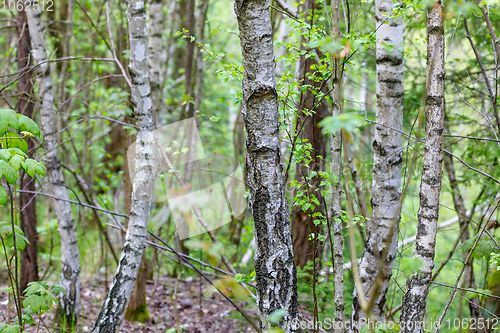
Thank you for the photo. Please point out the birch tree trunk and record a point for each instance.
(113, 309)
(382, 230)
(25, 106)
(155, 46)
(335, 210)
(70, 253)
(137, 309)
(417, 286)
(274, 264)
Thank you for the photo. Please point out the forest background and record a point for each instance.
(342, 107)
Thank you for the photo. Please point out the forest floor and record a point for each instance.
(215, 315)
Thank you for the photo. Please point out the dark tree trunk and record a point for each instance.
(307, 126)
(179, 53)
(25, 105)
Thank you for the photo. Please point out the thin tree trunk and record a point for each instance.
(155, 46)
(355, 178)
(307, 127)
(25, 106)
(335, 210)
(417, 286)
(113, 309)
(70, 253)
(382, 230)
(137, 309)
(200, 31)
(189, 59)
(274, 264)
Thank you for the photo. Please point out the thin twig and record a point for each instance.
(472, 168)
(478, 58)
(74, 202)
(466, 289)
(117, 61)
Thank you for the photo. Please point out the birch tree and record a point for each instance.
(382, 230)
(335, 210)
(113, 309)
(155, 46)
(274, 263)
(70, 253)
(417, 286)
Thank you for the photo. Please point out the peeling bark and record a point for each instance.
(382, 230)
(417, 286)
(113, 309)
(335, 210)
(70, 253)
(274, 263)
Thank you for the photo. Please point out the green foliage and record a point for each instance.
(13, 149)
(8, 237)
(485, 247)
(41, 297)
(348, 122)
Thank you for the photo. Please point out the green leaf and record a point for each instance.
(59, 290)
(4, 126)
(277, 315)
(31, 167)
(7, 171)
(12, 329)
(5, 228)
(28, 125)
(344, 121)
(28, 320)
(33, 288)
(15, 162)
(14, 141)
(3, 195)
(5, 155)
(21, 241)
(9, 117)
(17, 151)
(36, 303)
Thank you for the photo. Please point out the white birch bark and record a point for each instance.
(274, 263)
(335, 210)
(70, 253)
(113, 309)
(155, 27)
(382, 230)
(417, 286)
